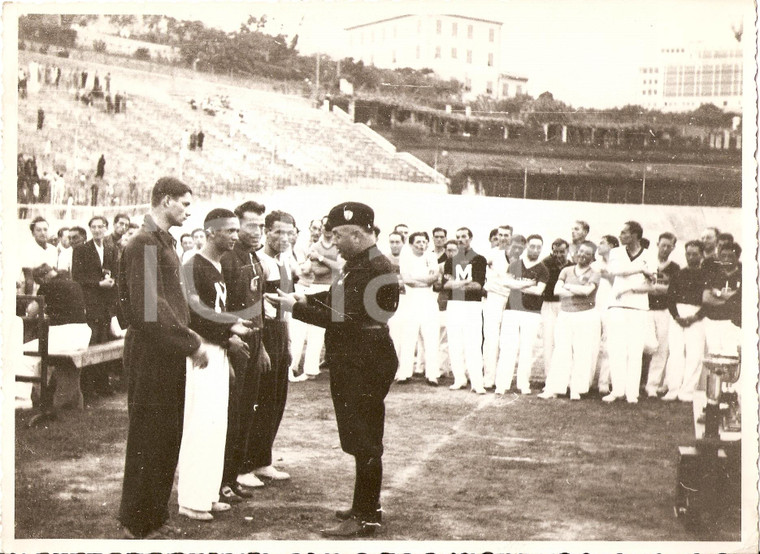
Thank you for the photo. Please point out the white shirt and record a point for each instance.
(415, 267)
(99, 249)
(64, 259)
(496, 272)
(619, 261)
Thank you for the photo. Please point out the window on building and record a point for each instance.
(438, 26)
(437, 51)
(505, 90)
(518, 90)
(489, 87)
(453, 29)
(491, 35)
(490, 59)
(453, 53)
(467, 84)
(469, 31)
(469, 56)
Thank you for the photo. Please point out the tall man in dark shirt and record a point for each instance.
(550, 307)
(463, 277)
(157, 344)
(722, 301)
(245, 285)
(360, 354)
(686, 336)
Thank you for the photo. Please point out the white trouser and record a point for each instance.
(397, 323)
(601, 363)
(421, 319)
(493, 311)
(686, 350)
(625, 346)
(464, 324)
(311, 337)
(519, 330)
(201, 454)
(576, 336)
(297, 330)
(660, 320)
(549, 314)
(722, 337)
(444, 363)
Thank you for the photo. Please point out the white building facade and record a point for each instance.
(455, 47)
(680, 79)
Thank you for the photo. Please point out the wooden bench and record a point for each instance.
(68, 366)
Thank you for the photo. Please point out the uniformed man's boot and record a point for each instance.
(345, 514)
(352, 527)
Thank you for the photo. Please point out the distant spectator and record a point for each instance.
(121, 223)
(40, 118)
(186, 242)
(201, 136)
(101, 169)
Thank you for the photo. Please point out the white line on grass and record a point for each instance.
(408, 472)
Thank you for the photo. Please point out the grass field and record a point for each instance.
(457, 466)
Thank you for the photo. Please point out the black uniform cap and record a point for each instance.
(350, 213)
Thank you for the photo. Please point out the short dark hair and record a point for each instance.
(40, 272)
(216, 214)
(61, 231)
(188, 235)
(198, 230)
(119, 216)
(511, 230)
(249, 206)
(95, 218)
(400, 225)
(559, 242)
(418, 234)
(278, 215)
(727, 237)
(534, 236)
(644, 242)
(469, 232)
(79, 230)
(695, 244)
(375, 230)
(493, 233)
(133, 225)
(584, 225)
(519, 239)
(612, 240)
(667, 236)
(635, 228)
(455, 243)
(590, 245)
(168, 186)
(35, 221)
(734, 247)
(399, 235)
(714, 230)
(440, 230)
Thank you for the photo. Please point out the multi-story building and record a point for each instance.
(680, 79)
(457, 47)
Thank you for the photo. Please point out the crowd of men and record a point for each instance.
(216, 329)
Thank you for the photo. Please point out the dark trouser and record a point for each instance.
(360, 378)
(244, 393)
(156, 401)
(97, 377)
(273, 392)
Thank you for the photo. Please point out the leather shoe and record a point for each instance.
(351, 527)
(349, 512)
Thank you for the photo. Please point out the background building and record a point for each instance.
(467, 49)
(684, 77)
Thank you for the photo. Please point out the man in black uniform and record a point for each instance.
(360, 355)
(156, 347)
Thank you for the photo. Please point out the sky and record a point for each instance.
(585, 52)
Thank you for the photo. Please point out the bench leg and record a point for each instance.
(68, 393)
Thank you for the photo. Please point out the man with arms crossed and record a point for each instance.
(634, 271)
(463, 278)
(156, 346)
(495, 302)
(526, 279)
